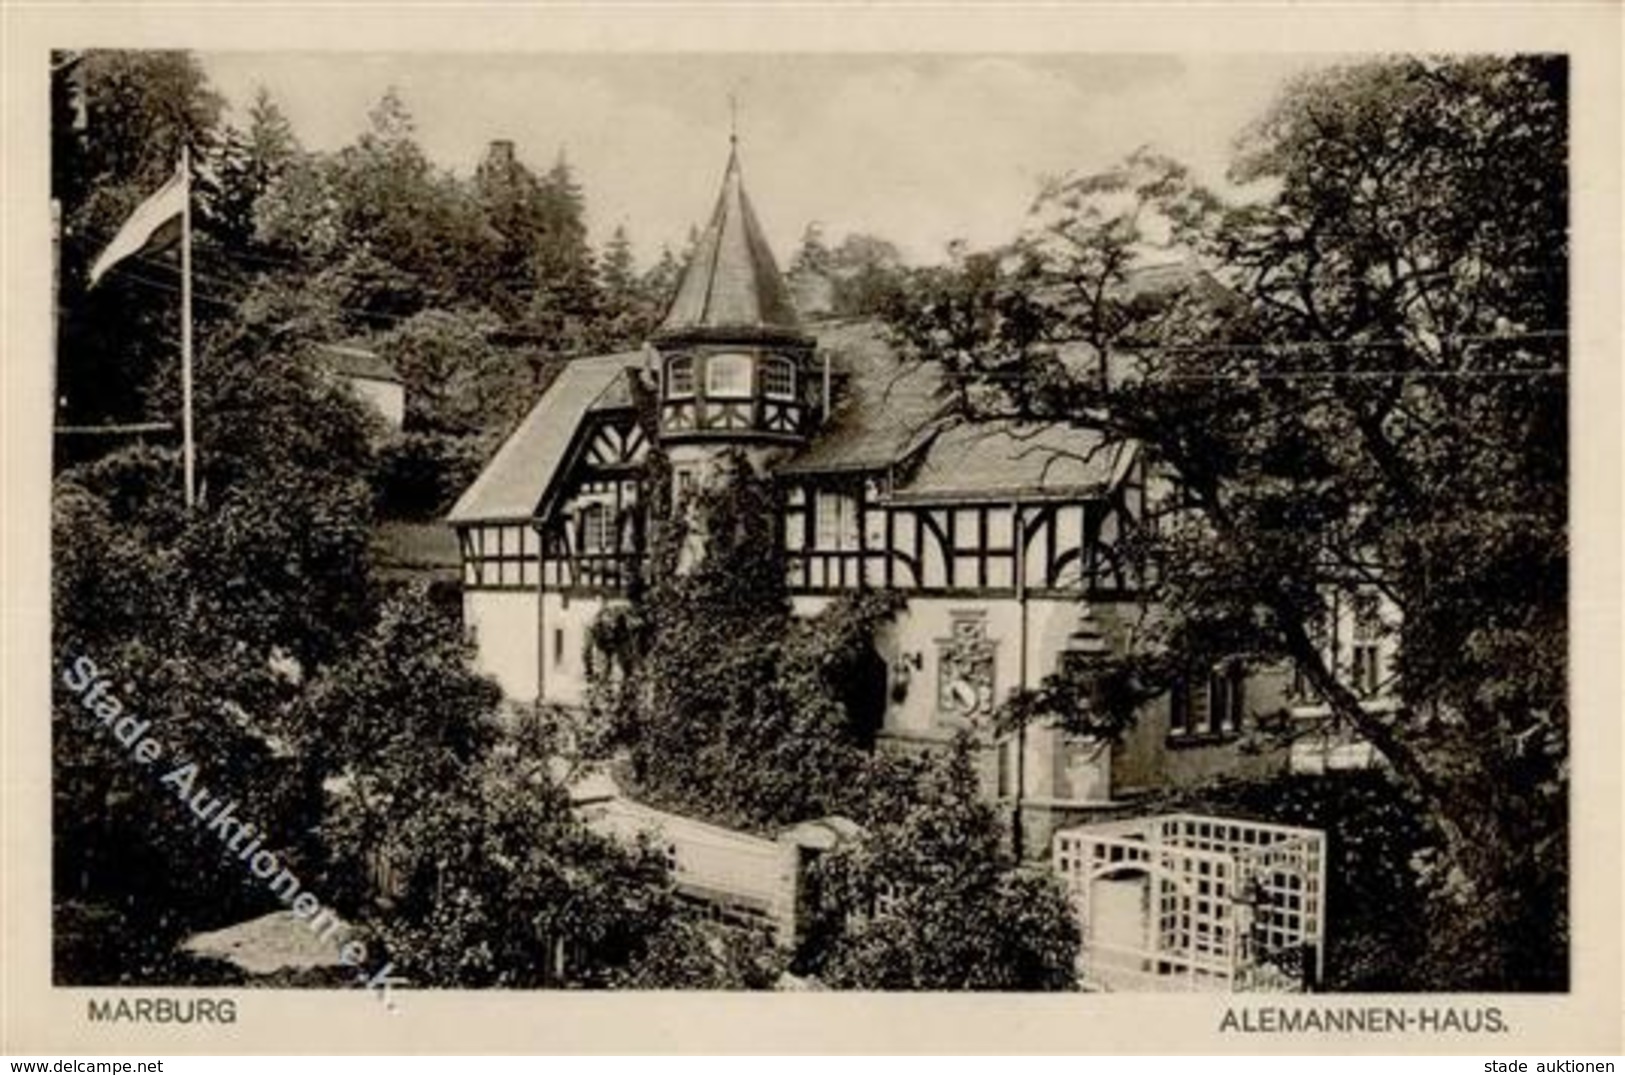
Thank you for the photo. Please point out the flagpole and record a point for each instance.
(188, 452)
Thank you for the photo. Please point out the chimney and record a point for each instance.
(500, 153)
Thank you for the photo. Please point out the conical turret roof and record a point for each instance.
(732, 288)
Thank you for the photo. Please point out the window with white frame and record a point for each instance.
(680, 376)
(778, 377)
(597, 528)
(837, 522)
(727, 376)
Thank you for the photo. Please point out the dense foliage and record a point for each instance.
(199, 625)
(1354, 380)
(771, 734)
(351, 730)
(476, 288)
(862, 275)
(250, 635)
(928, 898)
(489, 878)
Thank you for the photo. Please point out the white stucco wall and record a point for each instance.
(565, 623)
(503, 626)
(388, 398)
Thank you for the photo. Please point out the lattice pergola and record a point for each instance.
(1188, 902)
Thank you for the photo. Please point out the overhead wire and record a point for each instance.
(225, 302)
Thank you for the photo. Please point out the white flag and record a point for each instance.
(154, 225)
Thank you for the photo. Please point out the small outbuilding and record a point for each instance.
(369, 376)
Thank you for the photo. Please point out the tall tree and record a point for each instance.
(813, 255)
(867, 271)
(659, 284)
(626, 313)
(1375, 398)
(202, 624)
(385, 228)
(566, 296)
(140, 108)
(510, 196)
(247, 163)
(617, 272)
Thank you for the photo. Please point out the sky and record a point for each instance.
(921, 150)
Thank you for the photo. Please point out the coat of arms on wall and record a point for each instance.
(965, 668)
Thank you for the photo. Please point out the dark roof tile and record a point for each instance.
(732, 282)
(999, 460)
(884, 408)
(888, 412)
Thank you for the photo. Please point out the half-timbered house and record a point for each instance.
(1004, 540)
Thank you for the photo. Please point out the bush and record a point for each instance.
(927, 899)
(420, 475)
(689, 952)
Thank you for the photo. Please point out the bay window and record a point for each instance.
(727, 376)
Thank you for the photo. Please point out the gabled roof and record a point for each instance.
(350, 361)
(732, 285)
(514, 481)
(891, 412)
(888, 413)
(1005, 460)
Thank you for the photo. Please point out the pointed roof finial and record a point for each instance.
(733, 119)
(731, 288)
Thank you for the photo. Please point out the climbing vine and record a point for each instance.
(723, 703)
